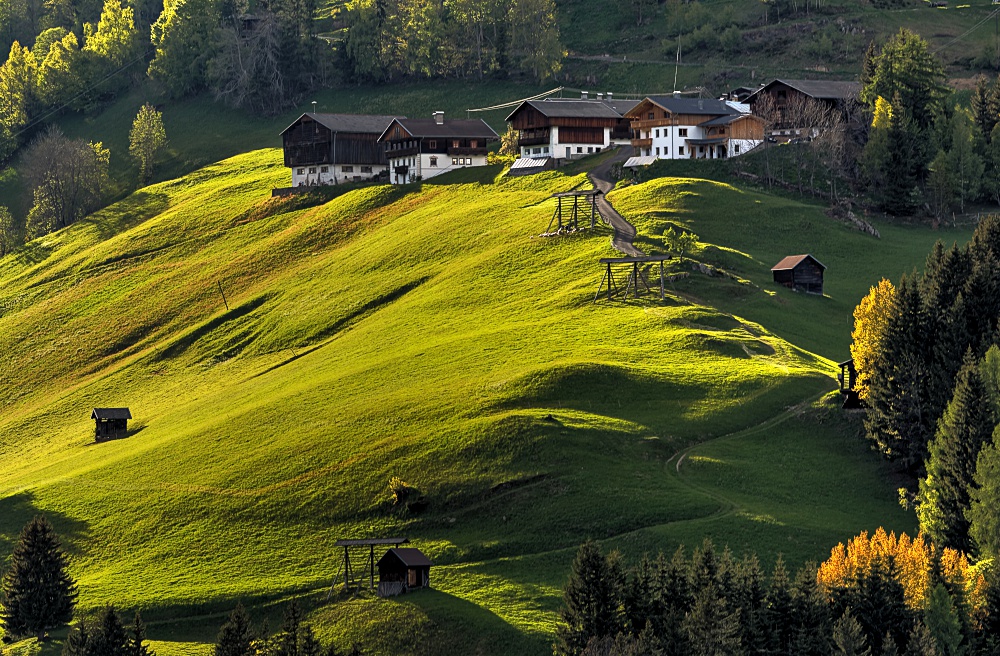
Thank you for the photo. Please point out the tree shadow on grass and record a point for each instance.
(19, 509)
(127, 213)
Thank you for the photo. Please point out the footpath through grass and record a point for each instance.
(422, 332)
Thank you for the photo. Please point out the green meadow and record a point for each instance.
(424, 332)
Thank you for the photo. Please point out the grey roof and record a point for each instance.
(793, 261)
(621, 106)
(558, 108)
(429, 127)
(724, 120)
(354, 123)
(409, 556)
(705, 106)
(821, 89)
(111, 413)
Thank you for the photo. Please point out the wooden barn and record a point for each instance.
(803, 273)
(402, 570)
(569, 128)
(326, 149)
(786, 98)
(110, 423)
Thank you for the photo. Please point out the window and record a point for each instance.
(682, 132)
(300, 171)
(537, 151)
(651, 116)
(680, 150)
(324, 169)
(545, 149)
(312, 169)
(579, 149)
(434, 161)
(701, 149)
(472, 144)
(736, 148)
(454, 161)
(666, 150)
(454, 143)
(432, 144)
(657, 151)
(722, 130)
(366, 169)
(657, 134)
(347, 169)
(590, 149)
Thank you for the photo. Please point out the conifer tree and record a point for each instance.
(38, 593)
(878, 601)
(983, 514)
(673, 593)
(920, 642)
(849, 637)
(76, 641)
(137, 643)
(592, 600)
(889, 646)
(810, 616)
(943, 623)
(980, 103)
(778, 609)
(109, 636)
(749, 597)
(712, 628)
(236, 636)
(966, 426)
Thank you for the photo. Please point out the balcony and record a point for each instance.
(534, 141)
(654, 123)
(642, 143)
(402, 152)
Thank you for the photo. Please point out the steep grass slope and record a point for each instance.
(420, 332)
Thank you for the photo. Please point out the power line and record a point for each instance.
(966, 33)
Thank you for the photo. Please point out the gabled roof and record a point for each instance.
(428, 127)
(819, 89)
(793, 261)
(409, 556)
(558, 108)
(111, 413)
(354, 123)
(696, 106)
(726, 120)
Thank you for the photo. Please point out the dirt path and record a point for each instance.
(624, 235)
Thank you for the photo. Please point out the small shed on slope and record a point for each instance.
(401, 570)
(803, 273)
(110, 423)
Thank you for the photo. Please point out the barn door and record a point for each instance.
(413, 579)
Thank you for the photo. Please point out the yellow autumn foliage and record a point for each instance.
(871, 319)
(911, 561)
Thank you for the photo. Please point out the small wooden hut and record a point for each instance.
(110, 423)
(848, 378)
(803, 273)
(402, 570)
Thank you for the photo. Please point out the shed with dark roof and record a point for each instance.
(110, 423)
(803, 273)
(402, 570)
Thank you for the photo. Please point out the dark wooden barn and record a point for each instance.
(803, 273)
(848, 378)
(402, 570)
(110, 423)
(335, 148)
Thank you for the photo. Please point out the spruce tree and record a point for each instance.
(849, 637)
(674, 595)
(38, 593)
(749, 596)
(592, 600)
(76, 641)
(810, 616)
(878, 602)
(920, 642)
(980, 105)
(889, 646)
(286, 642)
(965, 427)
(137, 643)
(712, 628)
(236, 636)
(941, 619)
(109, 636)
(778, 609)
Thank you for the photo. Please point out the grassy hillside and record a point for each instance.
(421, 332)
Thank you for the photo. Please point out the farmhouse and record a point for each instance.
(570, 128)
(671, 127)
(333, 148)
(803, 273)
(419, 149)
(402, 570)
(110, 423)
(786, 101)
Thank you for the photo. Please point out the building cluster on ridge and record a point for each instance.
(323, 149)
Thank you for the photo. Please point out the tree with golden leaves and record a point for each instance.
(871, 317)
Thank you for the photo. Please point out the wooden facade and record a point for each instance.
(848, 378)
(672, 127)
(418, 149)
(333, 148)
(783, 96)
(403, 570)
(110, 423)
(803, 273)
(569, 128)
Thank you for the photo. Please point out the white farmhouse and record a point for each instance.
(670, 127)
(323, 149)
(418, 149)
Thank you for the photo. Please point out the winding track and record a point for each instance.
(600, 177)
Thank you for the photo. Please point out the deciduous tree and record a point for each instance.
(146, 139)
(871, 320)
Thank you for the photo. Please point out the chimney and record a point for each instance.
(677, 94)
(439, 117)
(600, 96)
(583, 95)
(608, 95)
(701, 104)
